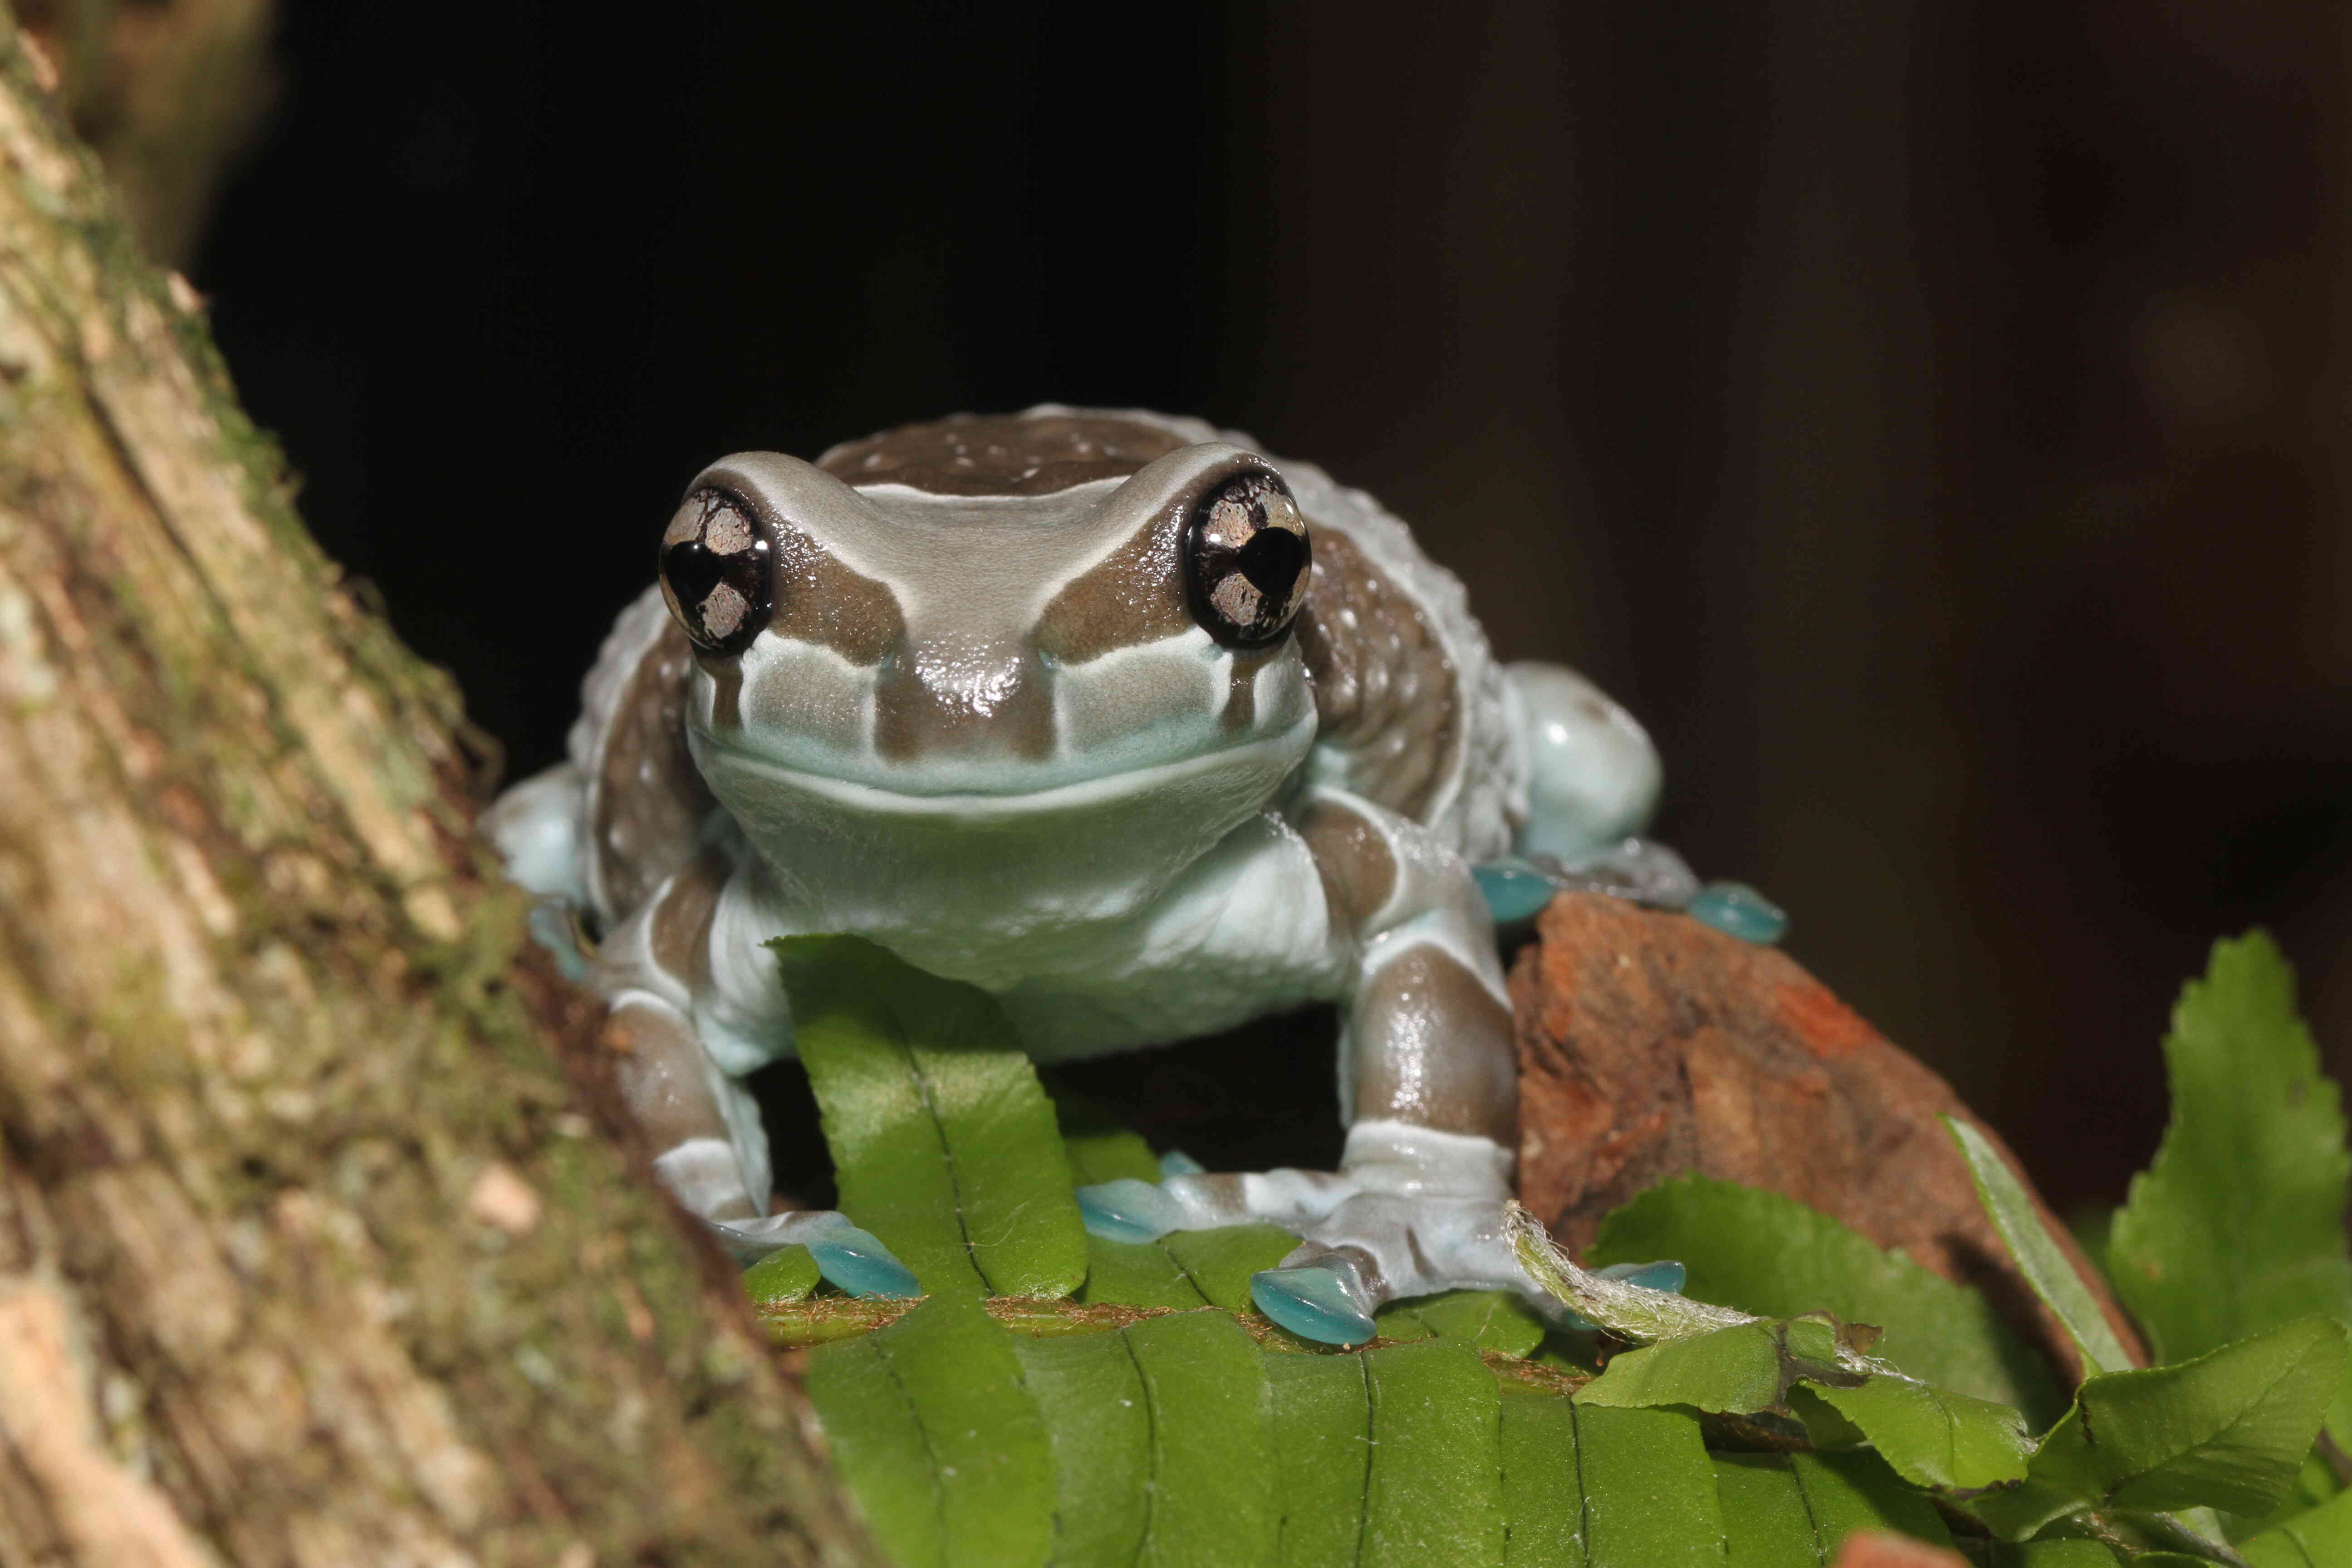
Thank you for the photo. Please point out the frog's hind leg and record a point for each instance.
(1593, 776)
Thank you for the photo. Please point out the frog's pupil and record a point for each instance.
(693, 571)
(1271, 561)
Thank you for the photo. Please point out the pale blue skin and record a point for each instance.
(1152, 875)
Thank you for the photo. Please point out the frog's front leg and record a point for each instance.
(1429, 1078)
(698, 1117)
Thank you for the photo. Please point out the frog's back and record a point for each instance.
(1411, 709)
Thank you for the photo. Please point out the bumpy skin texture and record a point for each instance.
(991, 720)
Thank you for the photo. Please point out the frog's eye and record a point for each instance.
(1247, 559)
(714, 572)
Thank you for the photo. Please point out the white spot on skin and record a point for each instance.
(503, 1200)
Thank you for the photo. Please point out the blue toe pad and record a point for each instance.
(1316, 1302)
(1667, 1275)
(1740, 910)
(1128, 1210)
(859, 1264)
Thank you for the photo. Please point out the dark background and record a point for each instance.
(1928, 417)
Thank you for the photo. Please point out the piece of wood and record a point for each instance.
(312, 1251)
(1650, 1045)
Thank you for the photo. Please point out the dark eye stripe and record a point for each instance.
(715, 572)
(1246, 559)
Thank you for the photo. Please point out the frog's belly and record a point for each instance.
(1244, 932)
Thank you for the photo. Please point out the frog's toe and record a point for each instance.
(1324, 1299)
(1128, 1210)
(857, 1262)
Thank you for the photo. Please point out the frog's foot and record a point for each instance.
(851, 1258)
(1410, 1213)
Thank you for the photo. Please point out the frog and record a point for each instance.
(1137, 729)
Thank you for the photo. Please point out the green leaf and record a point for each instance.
(943, 1144)
(786, 1276)
(1543, 1496)
(1323, 1446)
(2039, 1256)
(1846, 1492)
(2238, 1227)
(1734, 1372)
(1795, 1511)
(982, 1443)
(1099, 1148)
(1764, 1513)
(878, 1449)
(2227, 1430)
(2054, 1554)
(1137, 1274)
(1649, 1491)
(1212, 1497)
(2315, 1486)
(1770, 1255)
(2319, 1539)
(1435, 1488)
(1932, 1437)
(1091, 1397)
(1219, 1262)
(1496, 1320)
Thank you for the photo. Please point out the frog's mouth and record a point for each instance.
(1250, 770)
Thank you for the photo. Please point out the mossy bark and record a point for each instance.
(320, 1239)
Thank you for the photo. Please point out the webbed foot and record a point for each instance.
(854, 1260)
(1412, 1213)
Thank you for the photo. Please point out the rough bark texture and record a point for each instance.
(1650, 1045)
(310, 1252)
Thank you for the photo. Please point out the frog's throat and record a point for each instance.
(1273, 755)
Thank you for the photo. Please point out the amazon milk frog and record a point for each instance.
(1137, 730)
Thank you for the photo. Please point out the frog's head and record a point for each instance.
(1076, 620)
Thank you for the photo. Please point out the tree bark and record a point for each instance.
(321, 1239)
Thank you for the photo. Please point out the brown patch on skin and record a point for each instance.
(1352, 857)
(913, 718)
(1431, 1046)
(650, 798)
(820, 600)
(1384, 689)
(681, 921)
(658, 1063)
(1241, 687)
(1652, 1046)
(1133, 596)
(1000, 455)
(726, 690)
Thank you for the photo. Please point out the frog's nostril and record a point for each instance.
(943, 700)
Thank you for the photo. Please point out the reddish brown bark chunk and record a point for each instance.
(1650, 1045)
(1871, 1549)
